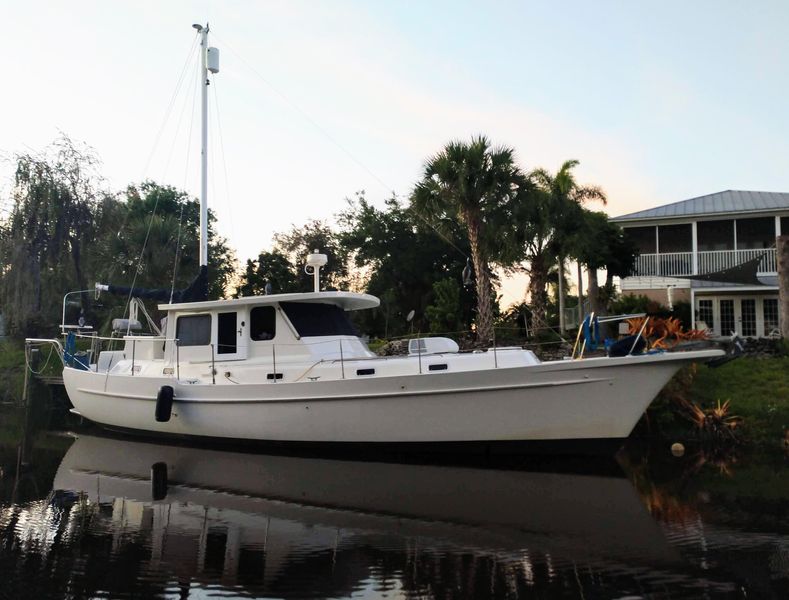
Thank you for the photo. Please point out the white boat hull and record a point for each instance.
(592, 399)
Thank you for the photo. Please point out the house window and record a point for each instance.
(748, 317)
(755, 233)
(194, 330)
(727, 317)
(715, 235)
(770, 315)
(643, 238)
(262, 323)
(705, 314)
(675, 238)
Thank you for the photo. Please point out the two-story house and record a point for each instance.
(705, 235)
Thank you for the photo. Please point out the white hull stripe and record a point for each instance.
(357, 396)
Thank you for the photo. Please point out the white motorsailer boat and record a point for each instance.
(291, 368)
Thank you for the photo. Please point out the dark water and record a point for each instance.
(99, 517)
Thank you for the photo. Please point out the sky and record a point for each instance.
(317, 100)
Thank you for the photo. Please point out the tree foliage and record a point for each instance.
(403, 257)
(600, 244)
(297, 243)
(46, 240)
(476, 185)
(65, 231)
(272, 268)
(547, 225)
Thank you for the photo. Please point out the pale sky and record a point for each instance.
(660, 101)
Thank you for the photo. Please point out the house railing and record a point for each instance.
(664, 265)
(672, 264)
(716, 260)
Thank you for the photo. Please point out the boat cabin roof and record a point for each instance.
(345, 300)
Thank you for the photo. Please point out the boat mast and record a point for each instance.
(209, 63)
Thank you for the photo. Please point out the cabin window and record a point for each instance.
(193, 330)
(262, 323)
(316, 319)
(227, 331)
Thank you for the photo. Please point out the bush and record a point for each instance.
(682, 311)
(632, 303)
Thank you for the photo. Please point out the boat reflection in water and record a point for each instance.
(291, 526)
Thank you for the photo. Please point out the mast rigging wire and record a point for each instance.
(165, 120)
(177, 252)
(187, 62)
(331, 139)
(156, 203)
(224, 159)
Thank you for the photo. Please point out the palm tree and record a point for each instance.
(474, 184)
(558, 217)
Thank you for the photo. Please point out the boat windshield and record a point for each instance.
(314, 319)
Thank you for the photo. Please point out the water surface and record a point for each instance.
(92, 516)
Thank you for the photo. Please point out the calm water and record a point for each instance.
(90, 516)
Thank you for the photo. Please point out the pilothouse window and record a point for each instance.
(262, 323)
(194, 330)
(315, 319)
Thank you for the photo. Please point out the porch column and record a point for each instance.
(657, 251)
(782, 258)
(693, 297)
(695, 236)
(735, 241)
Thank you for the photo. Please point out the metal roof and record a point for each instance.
(729, 201)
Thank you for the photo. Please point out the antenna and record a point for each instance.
(315, 261)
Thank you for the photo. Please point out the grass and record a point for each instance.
(12, 370)
(758, 389)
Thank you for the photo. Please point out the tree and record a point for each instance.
(50, 230)
(296, 244)
(549, 225)
(402, 257)
(445, 311)
(158, 243)
(600, 244)
(65, 232)
(270, 268)
(473, 184)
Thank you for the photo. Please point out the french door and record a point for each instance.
(747, 317)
